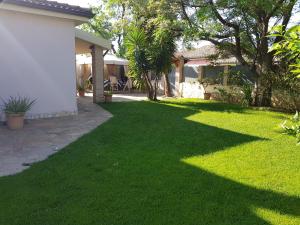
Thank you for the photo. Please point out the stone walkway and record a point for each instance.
(44, 137)
(128, 97)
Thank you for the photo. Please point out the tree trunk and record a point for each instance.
(168, 92)
(155, 89)
(149, 87)
(265, 68)
(256, 90)
(262, 93)
(263, 85)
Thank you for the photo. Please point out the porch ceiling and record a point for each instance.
(83, 41)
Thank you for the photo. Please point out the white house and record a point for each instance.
(39, 43)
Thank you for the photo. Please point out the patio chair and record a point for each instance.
(113, 83)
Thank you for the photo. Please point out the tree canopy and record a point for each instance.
(237, 27)
(151, 44)
(241, 28)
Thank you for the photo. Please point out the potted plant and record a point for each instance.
(81, 90)
(108, 96)
(205, 83)
(15, 109)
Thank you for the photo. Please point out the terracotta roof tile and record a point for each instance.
(207, 54)
(200, 53)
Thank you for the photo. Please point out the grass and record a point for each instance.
(183, 162)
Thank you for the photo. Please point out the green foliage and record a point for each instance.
(81, 87)
(286, 99)
(231, 94)
(111, 22)
(247, 90)
(114, 19)
(288, 49)
(205, 82)
(237, 78)
(225, 96)
(162, 49)
(100, 24)
(240, 28)
(137, 53)
(240, 90)
(150, 44)
(287, 52)
(17, 105)
(236, 95)
(293, 128)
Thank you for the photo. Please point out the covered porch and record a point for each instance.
(97, 46)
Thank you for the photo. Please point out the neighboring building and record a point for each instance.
(38, 47)
(197, 64)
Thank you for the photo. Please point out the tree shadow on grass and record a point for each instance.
(129, 171)
(196, 193)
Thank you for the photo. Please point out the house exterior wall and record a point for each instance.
(38, 61)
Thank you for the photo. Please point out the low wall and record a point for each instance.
(192, 90)
(283, 100)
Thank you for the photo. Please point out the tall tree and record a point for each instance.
(111, 21)
(151, 44)
(139, 64)
(163, 22)
(241, 28)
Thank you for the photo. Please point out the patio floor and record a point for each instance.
(127, 97)
(44, 137)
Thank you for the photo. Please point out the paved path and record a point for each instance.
(44, 137)
(128, 97)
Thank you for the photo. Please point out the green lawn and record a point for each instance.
(184, 162)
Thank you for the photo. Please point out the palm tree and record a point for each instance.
(150, 52)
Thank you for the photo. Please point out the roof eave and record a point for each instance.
(77, 19)
(93, 39)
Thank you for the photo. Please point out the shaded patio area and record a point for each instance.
(43, 137)
(128, 97)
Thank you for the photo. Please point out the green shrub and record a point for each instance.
(235, 78)
(287, 100)
(17, 105)
(239, 90)
(80, 87)
(293, 128)
(247, 91)
(236, 95)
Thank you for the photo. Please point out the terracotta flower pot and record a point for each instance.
(207, 96)
(15, 121)
(108, 98)
(81, 93)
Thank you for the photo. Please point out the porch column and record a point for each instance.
(98, 73)
(225, 77)
(201, 73)
(179, 76)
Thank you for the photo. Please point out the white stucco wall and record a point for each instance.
(37, 60)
